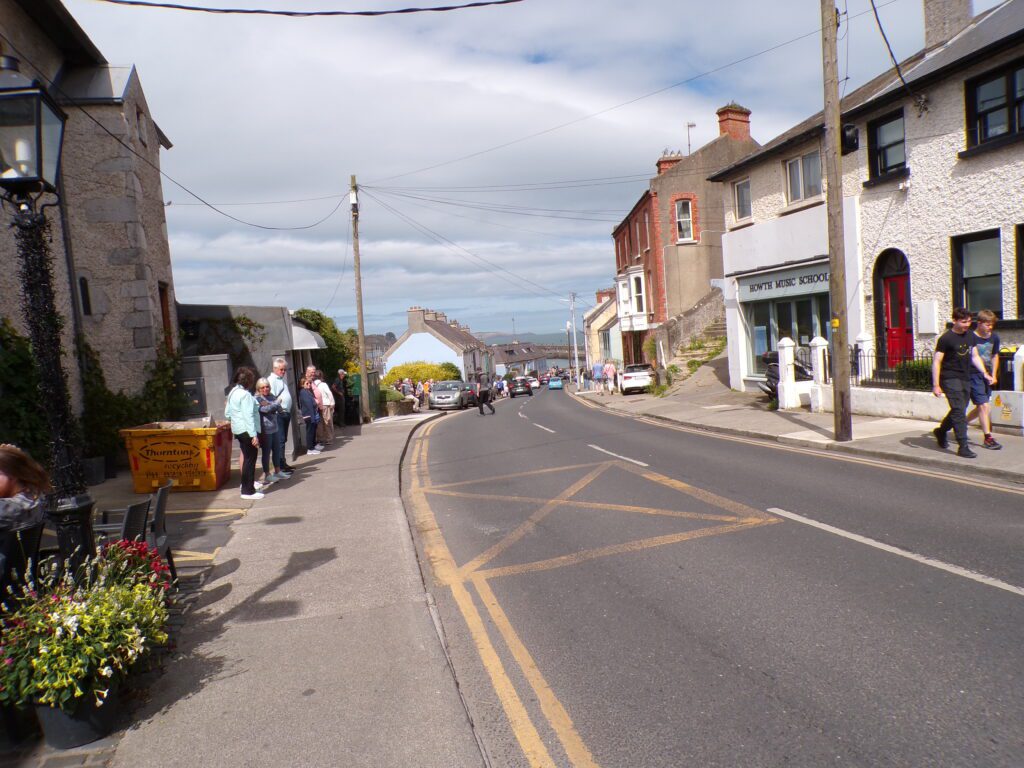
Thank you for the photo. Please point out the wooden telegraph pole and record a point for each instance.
(834, 204)
(364, 384)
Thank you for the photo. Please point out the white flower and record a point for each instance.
(42, 650)
(58, 632)
(106, 672)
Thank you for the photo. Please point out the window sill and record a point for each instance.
(992, 145)
(802, 205)
(686, 242)
(901, 173)
(742, 224)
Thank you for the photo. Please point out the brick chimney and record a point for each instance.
(667, 160)
(734, 121)
(416, 317)
(604, 294)
(944, 18)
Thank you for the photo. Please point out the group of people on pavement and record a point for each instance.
(260, 412)
(604, 375)
(965, 365)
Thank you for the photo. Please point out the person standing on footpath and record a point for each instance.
(310, 414)
(269, 409)
(609, 376)
(954, 357)
(325, 429)
(279, 390)
(598, 377)
(987, 344)
(243, 412)
(338, 387)
(483, 393)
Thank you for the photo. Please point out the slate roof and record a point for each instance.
(462, 339)
(988, 33)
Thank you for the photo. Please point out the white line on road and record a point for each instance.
(538, 426)
(954, 569)
(617, 456)
(522, 415)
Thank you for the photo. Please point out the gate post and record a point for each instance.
(788, 396)
(818, 347)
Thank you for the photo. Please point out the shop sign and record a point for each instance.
(790, 282)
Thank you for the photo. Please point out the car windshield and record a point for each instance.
(447, 386)
(639, 368)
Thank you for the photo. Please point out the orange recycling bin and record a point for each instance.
(195, 455)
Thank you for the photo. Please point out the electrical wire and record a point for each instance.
(52, 85)
(344, 265)
(552, 213)
(304, 14)
(919, 100)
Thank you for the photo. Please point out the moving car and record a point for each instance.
(451, 394)
(636, 378)
(520, 385)
(555, 383)
(534, 382)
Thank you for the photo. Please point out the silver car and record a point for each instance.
(450, 394)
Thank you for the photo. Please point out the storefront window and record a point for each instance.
(799, 319)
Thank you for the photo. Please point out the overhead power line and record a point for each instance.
(304, 14)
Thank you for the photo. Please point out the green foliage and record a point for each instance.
(230, 335)
(22, 419)
(418, 370)
(696, 343)
(106, 412)
(63, 641)
(651, 349)
(674, 369)
(391, 395)
(658, 390)
(693, 365)
(914, 374)
(451, 372)
(341, 347)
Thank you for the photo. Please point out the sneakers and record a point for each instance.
(965, 452)
(941, 437)
(313, 452)
(991, 444)
(259, 486)
(319, 446)
(252, 496)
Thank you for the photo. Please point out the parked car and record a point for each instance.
(520, 385)
(451, 394)
(636, 378)
(555, 383)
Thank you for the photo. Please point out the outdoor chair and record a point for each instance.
(133, 525)
(157, 535)
(19, 556)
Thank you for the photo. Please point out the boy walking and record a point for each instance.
(954, 357)
(987, 344)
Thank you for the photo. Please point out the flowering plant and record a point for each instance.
(67, 641)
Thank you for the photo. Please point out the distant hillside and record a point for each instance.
(497, 337)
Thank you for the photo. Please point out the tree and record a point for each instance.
(337, 353)
(420, 370)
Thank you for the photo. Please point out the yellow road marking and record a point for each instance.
(586, 505)
(531, 522)
(210, 511)
(552, 708)
(699, 493)
(184, 555)
(618, 549)
(495, 478)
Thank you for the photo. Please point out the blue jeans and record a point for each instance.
(284, 421)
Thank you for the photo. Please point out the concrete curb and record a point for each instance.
(966, 470)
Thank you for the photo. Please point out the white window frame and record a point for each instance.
(639, 294)
(798, 163)
(636, 233)
(647, 231)
(736, 200)
(688, 220)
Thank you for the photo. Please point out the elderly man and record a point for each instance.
(325, 429)
(279, 390)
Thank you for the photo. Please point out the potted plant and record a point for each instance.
(65, 648)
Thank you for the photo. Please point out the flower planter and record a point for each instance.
(87, 723)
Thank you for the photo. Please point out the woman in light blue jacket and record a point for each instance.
(243, 412)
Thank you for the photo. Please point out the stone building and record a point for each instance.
(109, 236)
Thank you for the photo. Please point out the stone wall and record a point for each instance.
(680, 330)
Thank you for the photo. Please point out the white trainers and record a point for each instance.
(313, 452)
(252, 496)
(259, 486)
(318, 446)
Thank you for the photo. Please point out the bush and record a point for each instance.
(420, 370)
(651, 349)
(22, 419)
(914, 374)
(339, 351)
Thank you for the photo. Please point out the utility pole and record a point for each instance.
(575, 348)
(364, 383)
(843, 420)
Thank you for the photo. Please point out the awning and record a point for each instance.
(303, 338)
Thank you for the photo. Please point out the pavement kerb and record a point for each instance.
(401, 462)
(966, 470)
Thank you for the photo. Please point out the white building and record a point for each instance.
(433, 338)
(932, 203)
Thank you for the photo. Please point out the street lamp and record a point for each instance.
(31, 134)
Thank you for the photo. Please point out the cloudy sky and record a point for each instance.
(496, 147)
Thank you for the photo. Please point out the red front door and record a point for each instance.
(899, 333)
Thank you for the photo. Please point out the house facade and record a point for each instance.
(668, 249)
(112, 266)
(932, 204)
(431, 337)
(601, 327)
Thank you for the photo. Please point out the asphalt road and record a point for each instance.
(695, 600)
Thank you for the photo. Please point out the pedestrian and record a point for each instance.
(23, 488)
(986, 342)
(339, 388)
(483, 393)
(954, 357)
(269, 409)
(310, 414)
(325, 429)
(409, 393)
(243, 412)
(598, 376)
(280, 392)
(609, 376)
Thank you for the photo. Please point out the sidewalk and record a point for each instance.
(704, 401)
(312, 642)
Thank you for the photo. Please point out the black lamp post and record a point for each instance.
(31, 134)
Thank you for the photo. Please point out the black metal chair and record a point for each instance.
(133, 525)
(158, 527)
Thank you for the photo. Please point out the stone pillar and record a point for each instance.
(865, 343)
(818, 369)
(788, 396)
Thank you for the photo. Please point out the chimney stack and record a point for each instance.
(944, 18)
(734, 121)
(667, 160)
(416, 317)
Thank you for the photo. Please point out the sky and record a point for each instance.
(495, 148)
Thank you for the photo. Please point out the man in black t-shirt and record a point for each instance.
(951, 376)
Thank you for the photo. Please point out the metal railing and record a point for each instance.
(879, 369)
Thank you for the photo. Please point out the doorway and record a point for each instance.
(894, 319)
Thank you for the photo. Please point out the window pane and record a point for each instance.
(1019, 77)
(638, 293)
(804, 323)
(812, 174)
(793, 173)
(984, 293)
(994, 124)
(981, 257)
(893, 157)
(684, 224)
(760, 333)
(891, 133)
(743, 200)
(784, 320)
(824, 316)
(991, 94)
